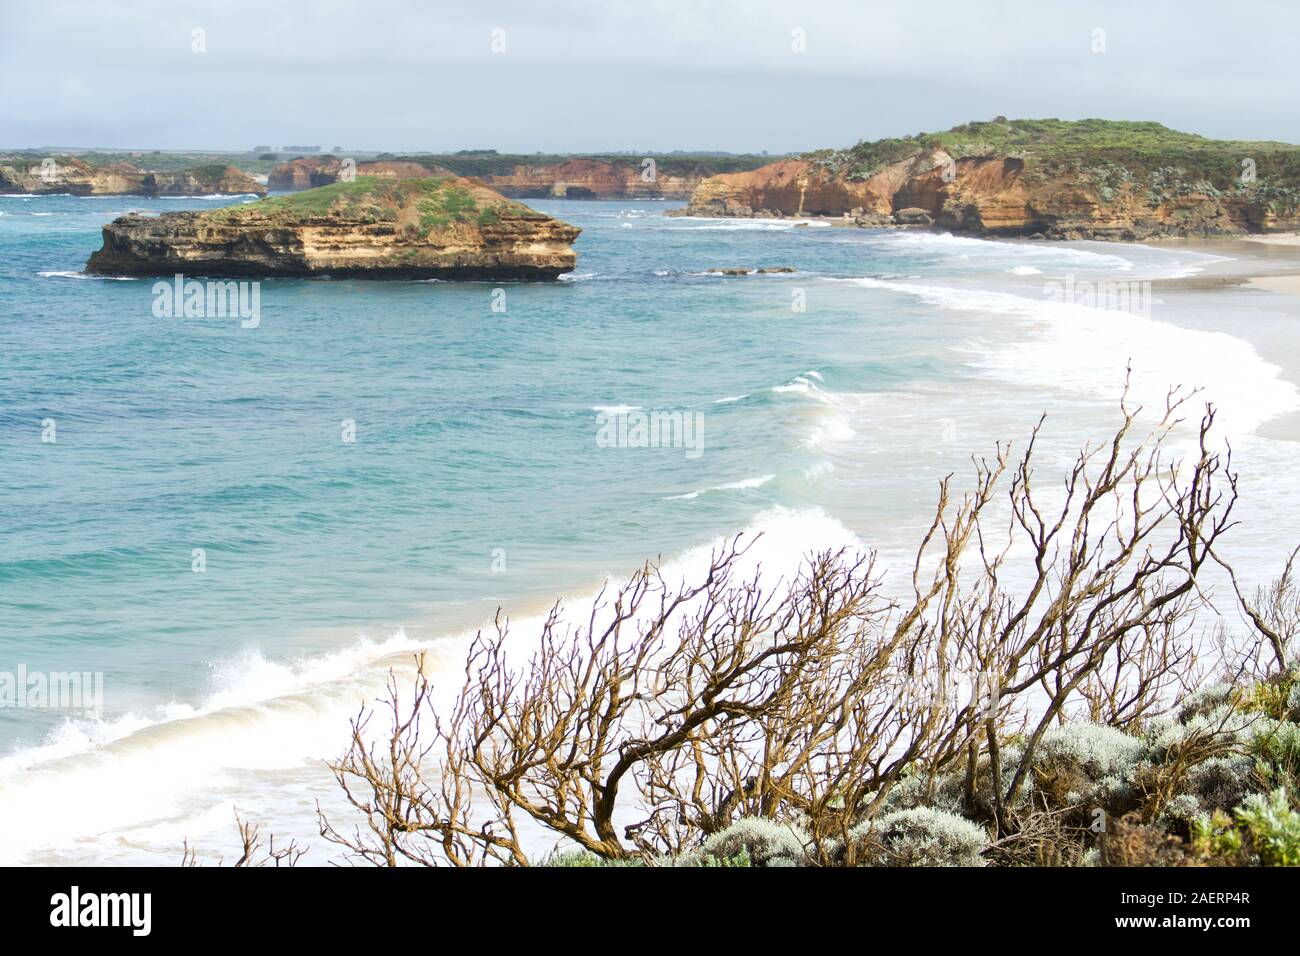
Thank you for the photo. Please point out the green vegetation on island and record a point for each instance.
(1110, 152)
(438, 202)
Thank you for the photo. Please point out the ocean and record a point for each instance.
(243, 528)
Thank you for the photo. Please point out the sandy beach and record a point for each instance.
(1278, 239)
(1266, 263)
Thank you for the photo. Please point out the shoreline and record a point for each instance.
(1280, 243)
(1281, 250)
(1267, 264)
(444, 626)
(447, 624)
(1262, 277)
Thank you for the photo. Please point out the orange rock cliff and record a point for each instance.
(1092, 179)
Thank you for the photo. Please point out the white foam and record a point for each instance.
(707, 224)
(96, 777)
(210, 197)
(836, 428)
(84, 275)
(945, 242)
(801, 385)
(743, 484)
(1084, 351)
(615, 409)
(158, 779)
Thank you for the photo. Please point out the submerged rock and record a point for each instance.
(432, 228)
(741, 271)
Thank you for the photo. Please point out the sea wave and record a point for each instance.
(67, 274)
(742, 485)
(802, 385)
(1086, 351)
(947, 243)
(835, 428)
(211, 197)
(718, 224)
(160, 776)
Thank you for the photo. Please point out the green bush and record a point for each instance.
(1265, 829)
(1274, 828)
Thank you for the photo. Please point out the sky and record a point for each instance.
(636, 75)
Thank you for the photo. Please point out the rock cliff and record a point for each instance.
(308, 172)
(69, 174)
(595, 179)
(429, 228)
(577, 178)
(1092, 179)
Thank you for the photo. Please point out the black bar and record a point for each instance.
(344, 905)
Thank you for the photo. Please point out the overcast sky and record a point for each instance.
(620, 75)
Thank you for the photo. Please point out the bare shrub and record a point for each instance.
(1274, 616)
(669, 713)
(1131, 842)
(256, 850)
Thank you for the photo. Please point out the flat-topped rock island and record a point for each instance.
(443, 227)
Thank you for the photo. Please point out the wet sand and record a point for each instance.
(1253, 294)
(1266, 263)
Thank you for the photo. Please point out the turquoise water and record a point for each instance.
(475, 432)
(476, 478)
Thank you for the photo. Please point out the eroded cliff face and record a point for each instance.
(995, 195)
(436, 227)
(68, 174)
(594, 179)
(308, 172)
(216, 181)
(571, 179)
(790, 187)
(297, 174)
